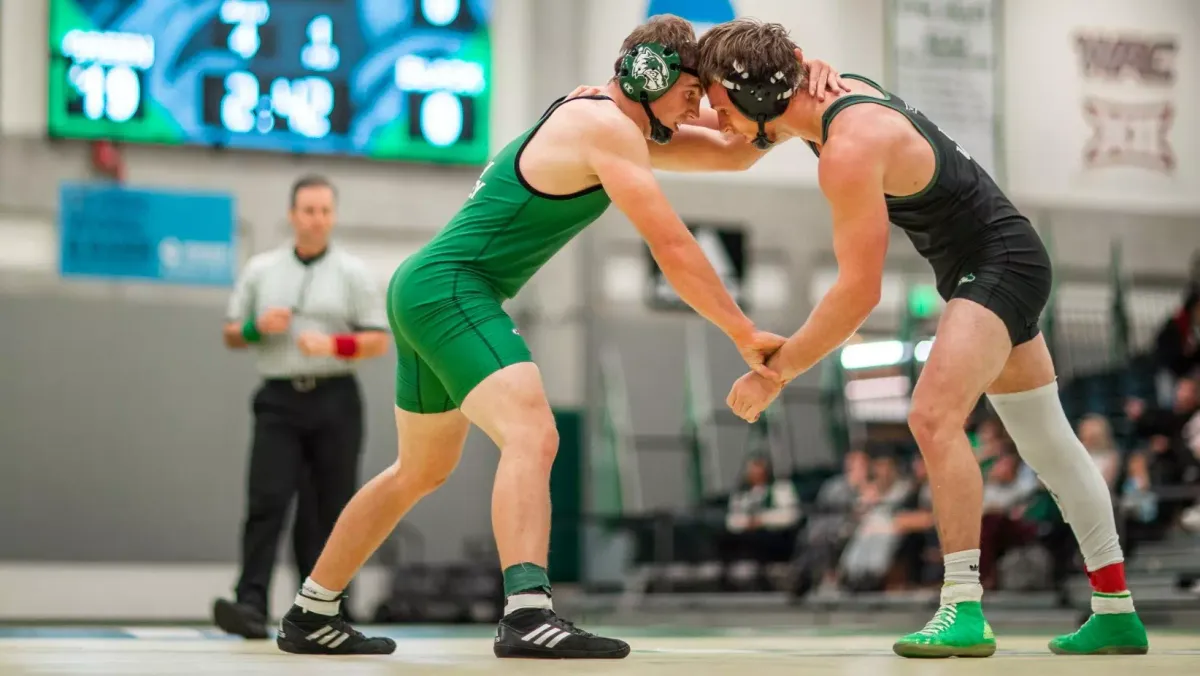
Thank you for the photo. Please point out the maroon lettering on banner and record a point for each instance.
(1149, 60)
(1125, 133)
(1129, 134)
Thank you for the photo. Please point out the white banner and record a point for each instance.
(944, 60)
(1104, 103)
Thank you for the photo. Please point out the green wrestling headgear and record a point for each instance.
(648, 71)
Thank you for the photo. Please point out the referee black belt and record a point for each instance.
(309, 383)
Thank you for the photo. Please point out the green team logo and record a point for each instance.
(651, 69)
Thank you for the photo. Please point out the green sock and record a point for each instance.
(526, 577)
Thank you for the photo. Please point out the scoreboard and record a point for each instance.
(387, 79)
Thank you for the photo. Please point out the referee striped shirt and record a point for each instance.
(332, 293)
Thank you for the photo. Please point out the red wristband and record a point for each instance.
(345, 345)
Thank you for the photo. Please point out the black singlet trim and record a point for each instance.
(888, 101)
(467, 318)
(417, 380)
(533, 132)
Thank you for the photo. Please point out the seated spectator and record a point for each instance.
(1161, 434)
(1004, 528)
(1190, 519)
(872, 550)
(1149, 422)
(831, 525)
(839, 494)
(888, 488)
(1096, 435)
(1177, 346)
(762, 518)
(991, 439)
(1138, 506)
(919, 557)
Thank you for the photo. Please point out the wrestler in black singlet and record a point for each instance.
(981, 248)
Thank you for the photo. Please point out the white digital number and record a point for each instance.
(306, 103)
(122, 93)
(441, 119)
(245, 16)
(112, 93)
(480, 183)
(240, 102)
(441, 12)
(320, 54)
(89, 82)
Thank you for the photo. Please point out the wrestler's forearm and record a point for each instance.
(832, 322)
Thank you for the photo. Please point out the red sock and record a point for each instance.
(1109, 579)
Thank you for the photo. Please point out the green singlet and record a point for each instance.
(444, 302)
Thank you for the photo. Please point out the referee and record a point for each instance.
(309, 311)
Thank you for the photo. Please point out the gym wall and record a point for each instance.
(125, 423)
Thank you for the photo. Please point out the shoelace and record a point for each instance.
(1085, 624)
(570, 627)
(342, 625)
(941, 621)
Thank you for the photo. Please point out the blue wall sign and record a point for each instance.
(116, 233)
(702, 13)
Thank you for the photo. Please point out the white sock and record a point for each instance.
(530, 600)
(1038, 426)
(961, 581)
(316, 599)
(1112, 604)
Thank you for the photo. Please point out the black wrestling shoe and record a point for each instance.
(306, 633)
(240, 619)
(539, 633)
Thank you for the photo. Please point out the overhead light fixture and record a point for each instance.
(874, 389)
(922, 349)
(872, 355)
(883, 353)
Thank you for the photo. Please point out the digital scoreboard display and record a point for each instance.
(386, 79)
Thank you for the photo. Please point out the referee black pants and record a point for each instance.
(308, 437)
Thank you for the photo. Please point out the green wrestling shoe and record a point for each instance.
(1107, 634)
(957, 630)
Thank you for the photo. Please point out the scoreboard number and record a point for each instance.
(306, 104)
(108, 93)
(104, 72)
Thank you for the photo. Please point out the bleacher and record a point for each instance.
(1107, 361)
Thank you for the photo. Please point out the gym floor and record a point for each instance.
(185, 651)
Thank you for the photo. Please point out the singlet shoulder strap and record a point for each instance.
(887, 100)
(559, 102)
(529, 138)
(848, 100)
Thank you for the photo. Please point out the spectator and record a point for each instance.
(1154, 421)
(887, 489)
(762, 518)
(919, 557)
(991, 438)
(1177, 346)
(872, 550)
(1138, 505)
(840, 494)
(1005, 497)
(1191, 435)
(1162, 432)
(829, 529)
(1096, 435)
